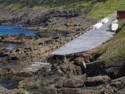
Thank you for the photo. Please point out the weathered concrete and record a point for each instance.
(34, 67)
(91, 39)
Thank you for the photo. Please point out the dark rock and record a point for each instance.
(59, 83)
(48, 90)
(79, 61)
(97, 92)
(94, 81)
(68, 68)
(118, 85)
(112, 69)
(87, 91)
(108, 90)
(77, 81)
(69, 91)
(122, 91)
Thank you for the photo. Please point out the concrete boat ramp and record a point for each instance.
(88, 41)
(91, 39)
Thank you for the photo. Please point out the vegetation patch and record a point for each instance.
(103, 9)
(16, 6)
(96, 9)
(113, 50)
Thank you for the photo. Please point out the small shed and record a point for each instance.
(114, 25)
(121, 14)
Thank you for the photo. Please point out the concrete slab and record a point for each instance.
(91, 39)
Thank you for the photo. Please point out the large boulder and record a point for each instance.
(118, 83)
(91, 91)
(69, 68)
(87, 91)
(48, 90)
(59, 83)
(79, 61)
(113, 69)
(69, 91)
(97, 80)
(77, 81)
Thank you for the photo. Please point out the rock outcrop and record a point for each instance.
(113, 69)
(55, 29)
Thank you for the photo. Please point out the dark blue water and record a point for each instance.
(11, 81)
(12, 30)
(9, 84)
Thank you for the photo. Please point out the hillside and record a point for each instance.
(57, 22)
(50, 3)
(102, 7)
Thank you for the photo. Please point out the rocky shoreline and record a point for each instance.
(55, 28)
(72, 78)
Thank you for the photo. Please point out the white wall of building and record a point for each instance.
(114, 26)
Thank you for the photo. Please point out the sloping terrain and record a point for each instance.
(113, 50)
(102, 7)
(105, 65)
(74, 4)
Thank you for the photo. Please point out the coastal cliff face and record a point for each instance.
(105, 65)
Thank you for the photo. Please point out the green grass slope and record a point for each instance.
(58, 4)
(114, 49)
(97, 8)
(102, 9)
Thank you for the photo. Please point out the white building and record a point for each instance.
(114, 25)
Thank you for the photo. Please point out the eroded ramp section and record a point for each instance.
(34, 67)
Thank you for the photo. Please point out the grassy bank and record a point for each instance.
(113, 50)
(57, 4)
(102, 9)
(97, 8)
